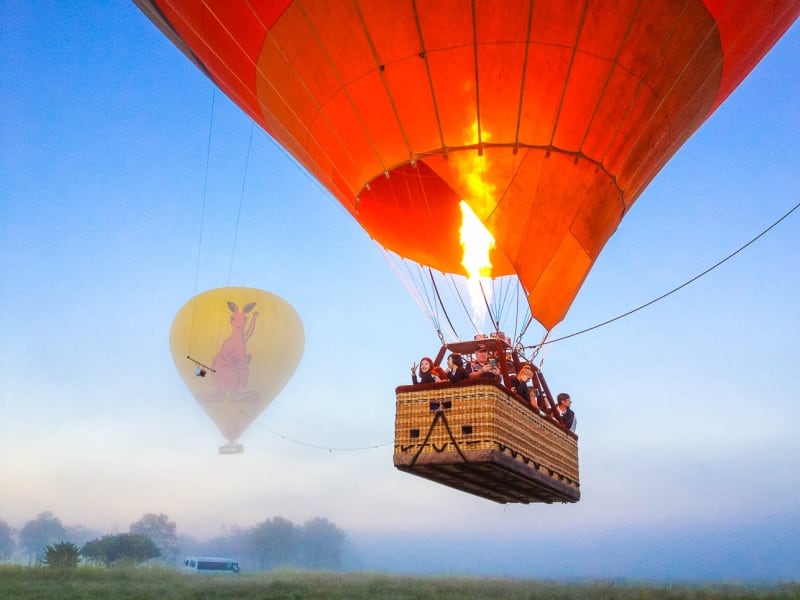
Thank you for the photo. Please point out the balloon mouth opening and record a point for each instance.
(413, 211)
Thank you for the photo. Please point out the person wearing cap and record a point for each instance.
(481, 367)
(455, 368)
(425, 373)
(564, 412)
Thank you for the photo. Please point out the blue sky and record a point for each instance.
(687, 410)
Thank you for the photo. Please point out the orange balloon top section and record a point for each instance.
(548, 118)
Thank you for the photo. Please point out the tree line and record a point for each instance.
(316, 544)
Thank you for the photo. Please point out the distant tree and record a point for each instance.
(321, 544)
(63, 555)
(240, 545)
(6, 540)
(96, 551)
(80, 534)
(161, 531)
(123, 548)
(35, 535)
(275, 542)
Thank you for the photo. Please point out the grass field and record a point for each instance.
(28, 583)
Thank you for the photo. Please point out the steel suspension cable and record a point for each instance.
(444, 310)
(467, 312)
(488, 308)
(241, 201)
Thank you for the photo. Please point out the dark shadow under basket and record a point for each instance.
(481, 439)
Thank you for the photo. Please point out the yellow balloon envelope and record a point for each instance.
(235, 349)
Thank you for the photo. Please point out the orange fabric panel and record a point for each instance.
(547, 70)
(397, 45)
(338, 29)
(330, 142)
(392, 30)
(610, 126)
(499, 80)
(297, 65)
(585, 83)
(505, 20)
(453, 74)
(500, 66)
(445, 24)
(371, 101)
(282, 97)
(352, 143)
(600, 214)
(416, 111)
(518, 216)
(557, 23)
(555, 289)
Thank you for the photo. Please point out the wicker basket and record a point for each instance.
(479, 438)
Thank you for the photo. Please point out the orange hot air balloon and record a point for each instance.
(235, 349)
(548, 118)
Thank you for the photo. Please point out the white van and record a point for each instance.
(210, 564)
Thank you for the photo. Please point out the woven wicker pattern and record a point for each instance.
(483, 417)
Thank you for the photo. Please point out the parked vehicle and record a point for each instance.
(210, 565)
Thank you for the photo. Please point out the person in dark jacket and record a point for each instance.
(425, 373)
(564, 412)
(455, 368)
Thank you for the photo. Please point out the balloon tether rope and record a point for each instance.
(681, 286)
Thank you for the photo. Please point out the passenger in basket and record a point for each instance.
(425, 373)
(439, 373)
(520, 382)
(481, 367)
(564, 412)
(455, 368)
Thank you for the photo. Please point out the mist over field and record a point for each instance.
(765, 548)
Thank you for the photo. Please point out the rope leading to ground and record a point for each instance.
(330, 449)
(680, 287)
(319, 447)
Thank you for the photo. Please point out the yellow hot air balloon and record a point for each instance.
(236, 348)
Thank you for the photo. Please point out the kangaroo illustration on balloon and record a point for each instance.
(231, 365)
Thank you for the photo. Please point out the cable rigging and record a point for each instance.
(202, 212)
(241, 203)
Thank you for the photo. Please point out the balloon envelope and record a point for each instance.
(549, 118)
(236, 348)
